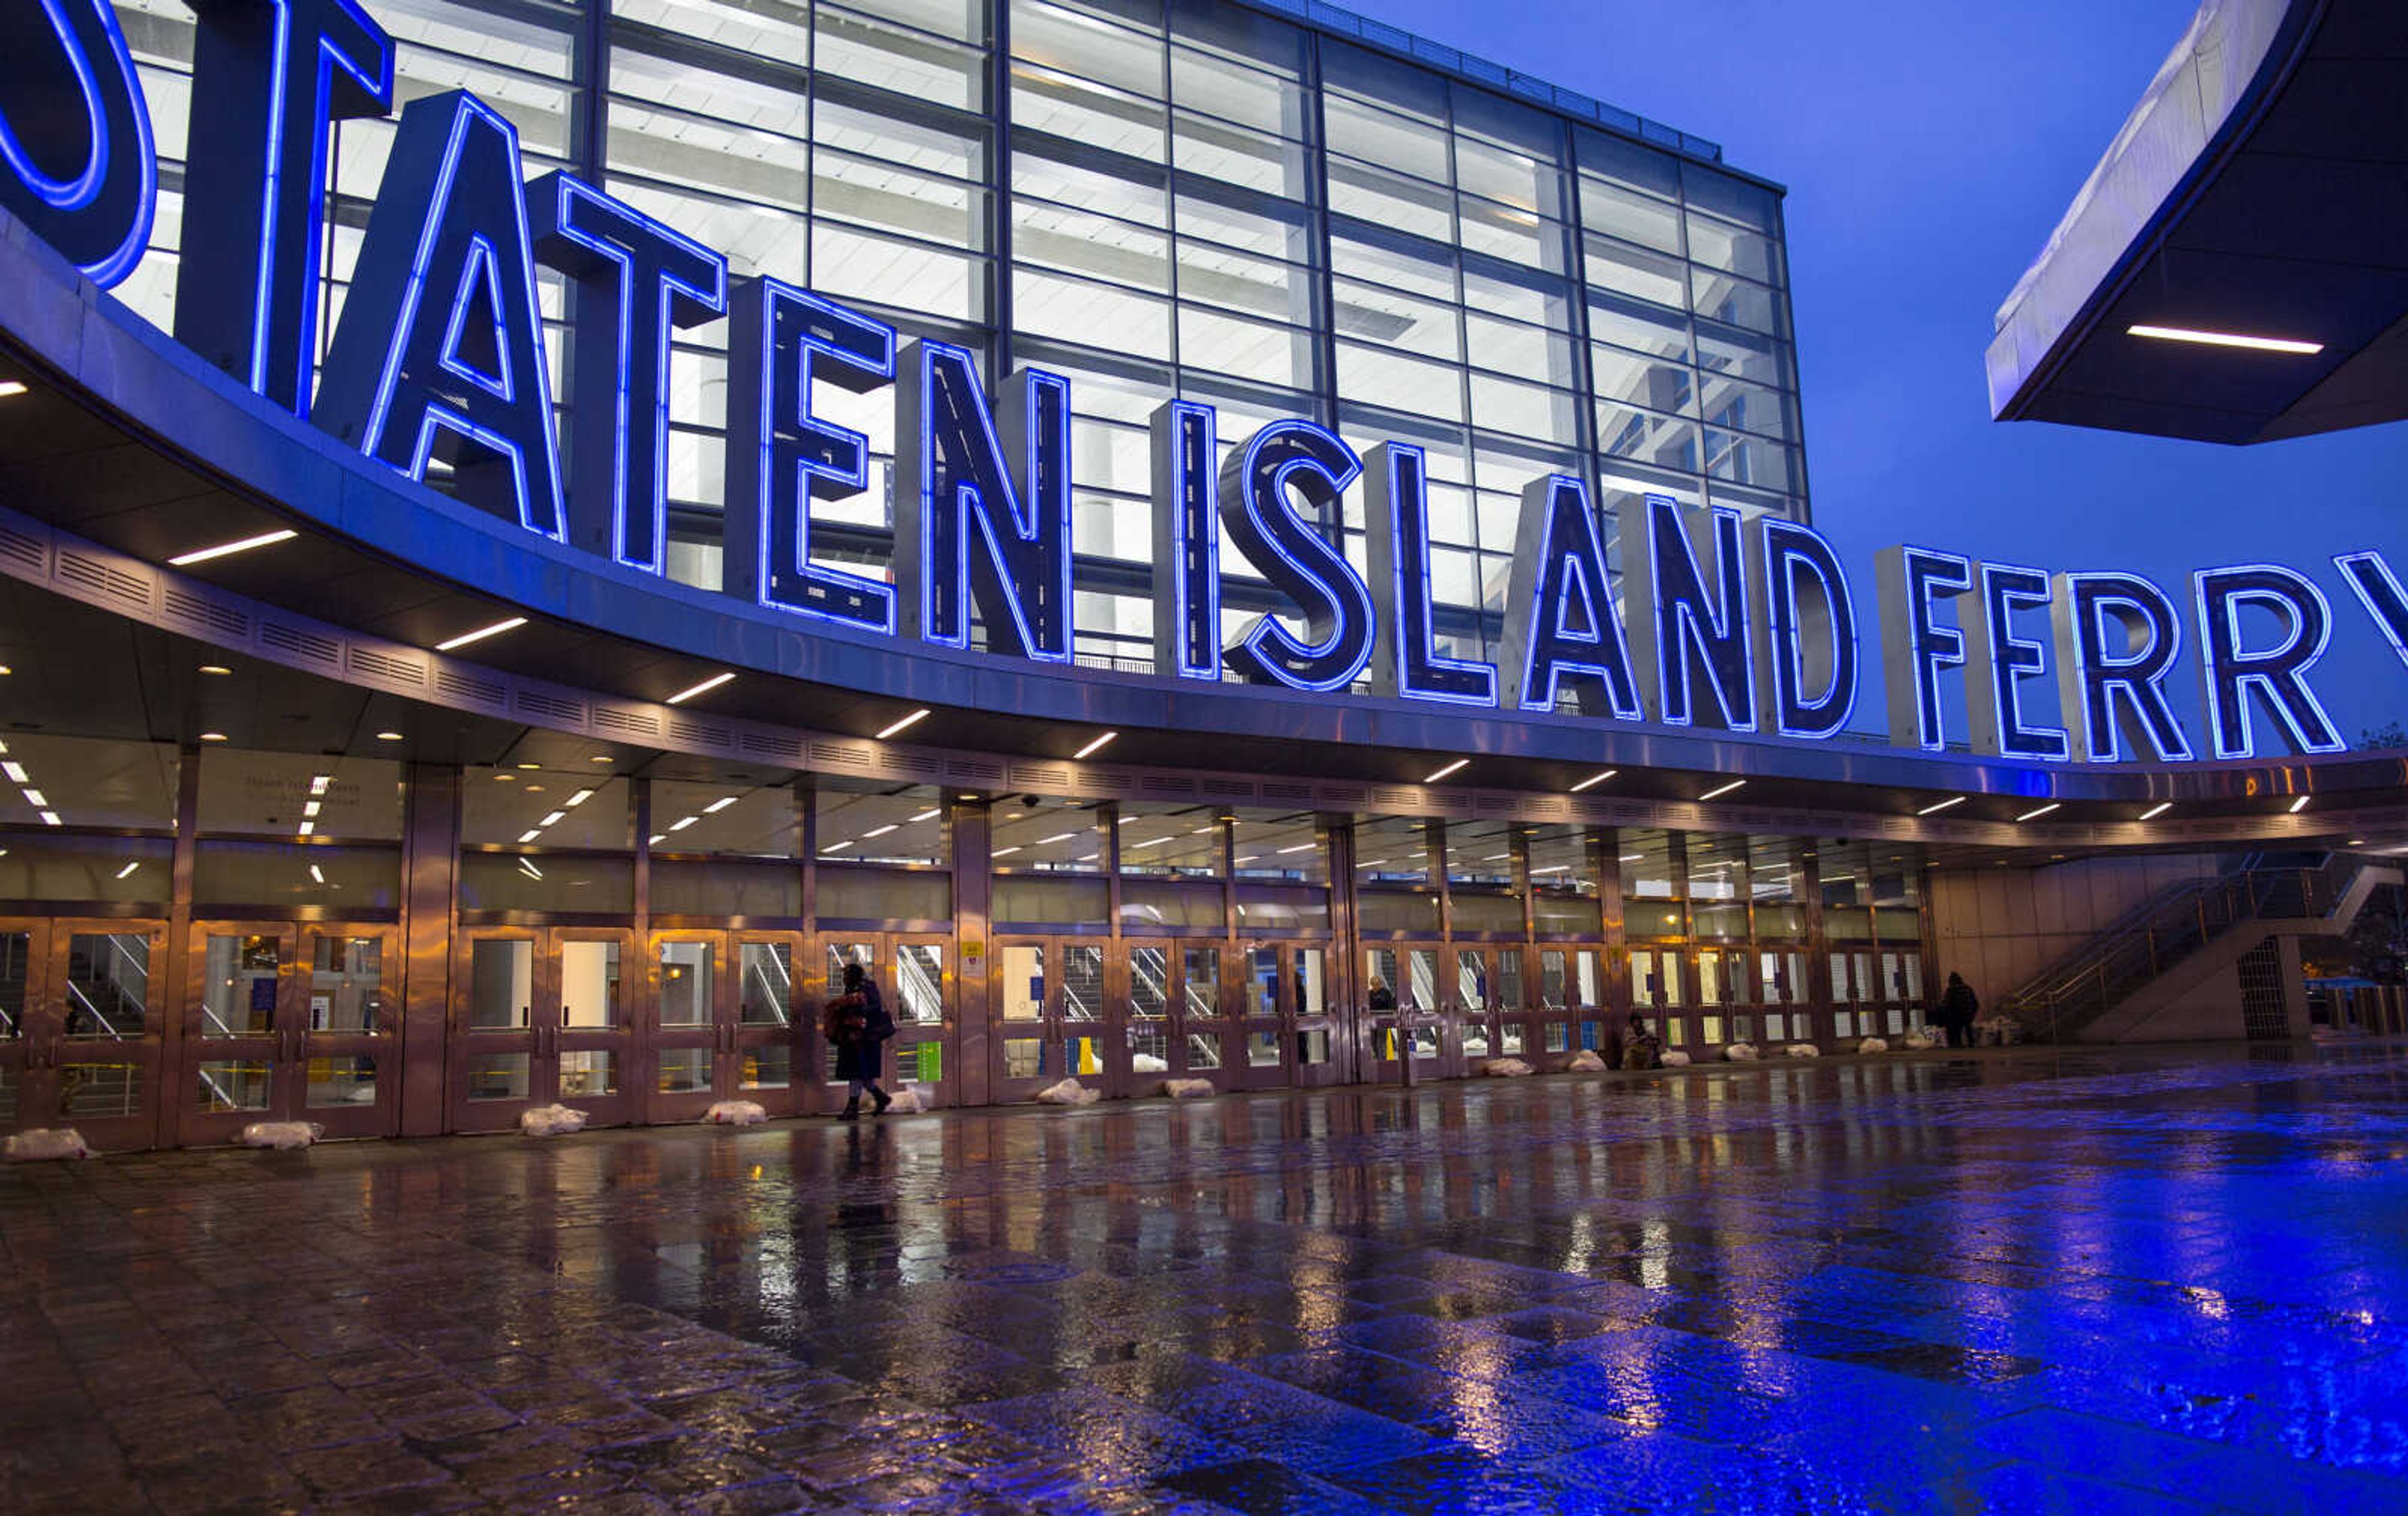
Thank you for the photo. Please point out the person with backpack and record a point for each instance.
(1959, 1006)
(856, 1025)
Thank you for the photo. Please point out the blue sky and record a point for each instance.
(1929, 150)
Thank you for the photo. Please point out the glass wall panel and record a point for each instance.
(1181, 841)
(288, 794)
(1049, 837)
(861, 823)
(740, 819)
(1281, 844)
(554, 808)
(87, 782)
(562, 883)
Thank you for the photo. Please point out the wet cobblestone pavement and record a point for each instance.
(2013, 1282)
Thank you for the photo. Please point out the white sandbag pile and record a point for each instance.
(1873, 1045)
(1917, 1042)
(1586, 1062)
(1802, 1049)
(1069, 1092)
(734, 1113)
(1507, 1068)
(281, 1136)
(910, 1101)
(1674, 1059)
(43, 1144)
(1148, 1063)
(1741, 1052)
(551, 1121)
(1186, 1089)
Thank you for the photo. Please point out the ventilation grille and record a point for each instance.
(840, 754)
(770, 744)
(686, 729)
(207, 617)
(455, 685)
(1341, 795)
(987, 769)
(553, 707)
(2263, 1016)
(22, 548)
(1168, 786)
(104, 579)
(309, 647)
(1036, 778)
(1110, 783)
(1407, 799)
(384, 666)
(1300, 793)
(621, 722)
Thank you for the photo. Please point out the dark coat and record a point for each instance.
(1958, 1005)
(859, 1026)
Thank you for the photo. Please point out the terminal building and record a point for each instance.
(1198, 541)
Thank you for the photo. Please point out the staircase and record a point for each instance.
(2175, 926)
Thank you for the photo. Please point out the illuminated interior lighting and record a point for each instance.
(930, 815)
(526, 866)
(2158, 810)
(904, 724)
(1057, 837)
(6, 670)
(318, 783)
(880, 832)
(2298, 805)
(717, 805)
(704, 688)
(310, 808)
(683, 822)
(1376, 863)
(15, 771)
(1633, 858)
(1003, 852)
(1093, 747)
(318, 874)
(1721, 790)
(1300, 848)
(36, 799)
(215, 668)
(524, 766)
(227, 550)
(1249, 858)
(11, 388)
(307, 828)
(127, 872)
(1496, 858)
(453, 644)
(1597, 778)
(1150, 841)
(1087, 857)
(1551, 868)
(551, 820)
(213, 736)
(658, 838)
(599, 757)
(577, 800)
(530, 834)
(2259, 344)
(839, 848)
(1953, 800)
(2356, 841)
(50, 818)
(388, 736)
(1455, 767)
(2036, 814)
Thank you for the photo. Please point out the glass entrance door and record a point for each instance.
(82, 1033)
(286, 1022)
(540, 1015)
(1052, 1018)
(1290, 1036)
(914, 972)
(1411, 971)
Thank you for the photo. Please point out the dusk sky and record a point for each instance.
(1928, 151)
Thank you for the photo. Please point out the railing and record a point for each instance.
(2166, 929)
(916, 986)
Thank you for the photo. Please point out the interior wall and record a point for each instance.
(2001, 927)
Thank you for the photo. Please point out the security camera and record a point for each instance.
(1028, 799)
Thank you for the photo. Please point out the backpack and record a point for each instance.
(877, 1026)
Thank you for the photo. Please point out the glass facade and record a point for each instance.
(1152, 199)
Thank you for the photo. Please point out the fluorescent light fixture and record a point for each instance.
(2356, 841)
(11, 388)
(530, 834)
(318, 874)
(2158, 810)
(1496, 858)
(2298, 805)
(599, 757)
(2256, 344)
(1088, 858)
(1551, 868)
(1455, 767)
(127, 872)
(1720, 790)
(880, 832)
(310, 808)
(1597, 778)
(227, 550)
(1300, 848)
(913, 719)
(36, 799)
(15, 771)
(388, 736)
(658, 838)
(1003, 852)
(527, 867)
(717, 805)
(318, 783)
(683, 822)
(1375, 863)
(930, 815)
(1057, 837)
(2042, 810)
(307, 828)
(1249, 858)
(213, 736)
(704, 688)
(50, 818)
(453, 644)
(577, 800)
(6, 670)
(1953, 800)
(215, 668)
(1093, 747)
(1150, 841)
(839, 848)
(551, 820)
(530, 765)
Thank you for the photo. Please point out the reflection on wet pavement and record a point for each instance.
(2142, 1280)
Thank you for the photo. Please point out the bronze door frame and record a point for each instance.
(62, 1055)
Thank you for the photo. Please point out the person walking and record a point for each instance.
(1958, 1005)
(856, 1025)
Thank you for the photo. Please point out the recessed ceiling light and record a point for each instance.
(50, 818)
(704, 688)
(213, 736)
(1720, 790)
(1093, 747)
(2298, 805)
(1455, 767)
(2028, 815)
(11, 388)
(599, 757)
(530, 765)
(905, 724)
(930, 815)
(127, 872)
(2260, 344)
(506, 778)
(227, 550)
(2356, 841)
(2158, 810)
(1597, 778)
(450, 645)
(717, 805)
(317, 874)
(215, 668)
(6, 670)
(1953, 800)
(388, 736)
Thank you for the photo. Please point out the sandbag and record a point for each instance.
(1675, 1059)
(1507, 1068)
(1873, 1045)
(44, 1144)
(1802, 1049)
(910, 1101)
(734, 1113)
(1148, 1063)
(551, 1121)
(1741, 1052)
(1186, 1089)
(1586, 1062)
(1069, 1092)
(1917, 1042)
(281, 1136)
